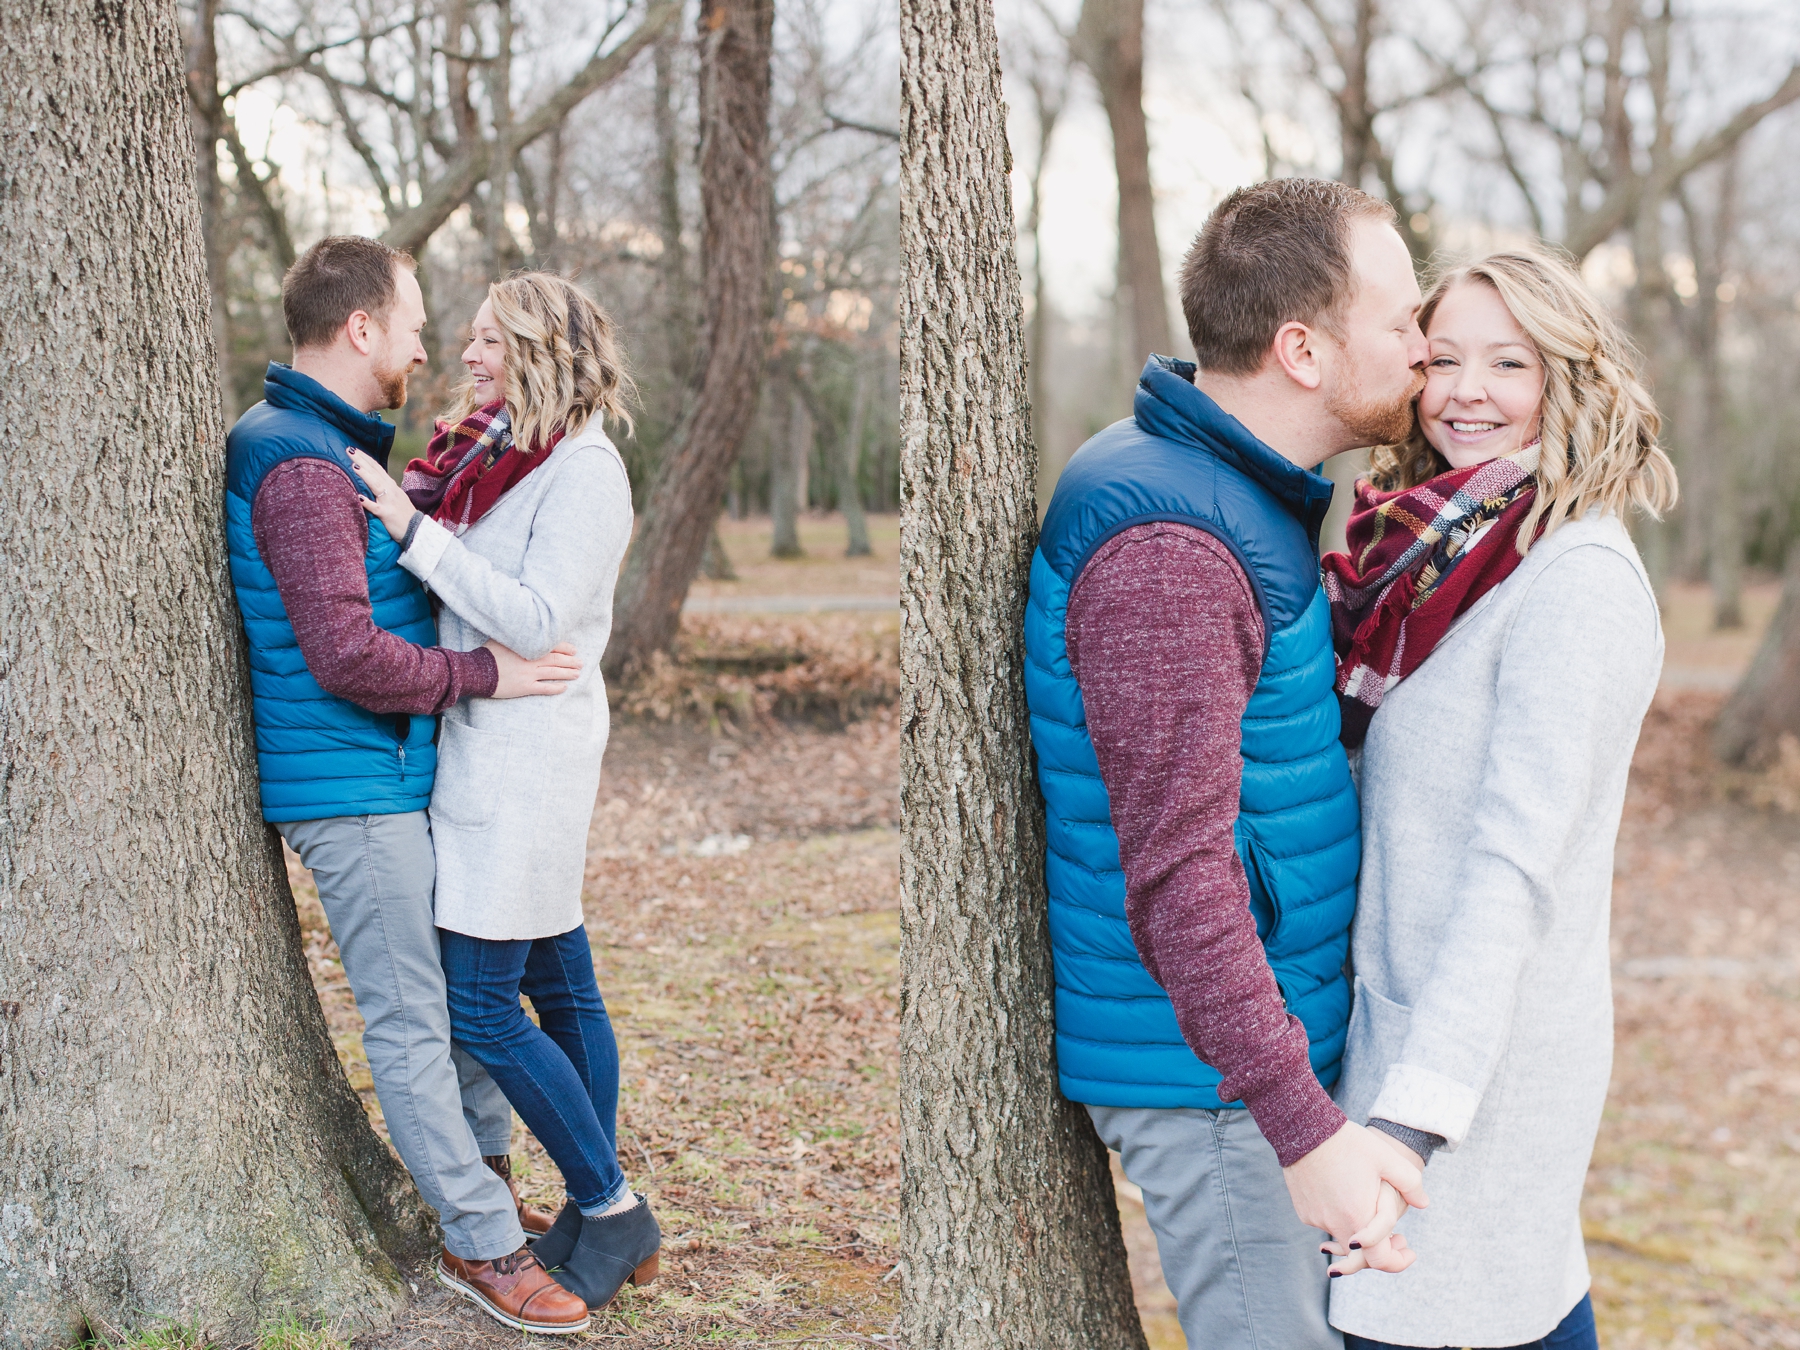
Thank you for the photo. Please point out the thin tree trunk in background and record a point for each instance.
(672, 266)
(1766, 705)
(715, 562)
(735, 48)
(856, 524)
(1110, 37)
(784, 477)
(1647, 312)
(204, 115)
(1710, 242)
(1048, 102)
(501, 247)
(180, 1143)
(1358, 149)
(1009, 1227)
(1343, 471)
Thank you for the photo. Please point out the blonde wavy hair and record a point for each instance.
(563, 361)
(1595, 411)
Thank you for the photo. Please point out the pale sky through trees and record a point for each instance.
(324, 185)
(1205, 137)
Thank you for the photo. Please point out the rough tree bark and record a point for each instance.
(177, 1140)
(1009, 1227)
(1766, 705)
(1110, 38)
(735, 44)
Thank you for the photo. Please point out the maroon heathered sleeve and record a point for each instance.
(1166, 640)
(312, 534)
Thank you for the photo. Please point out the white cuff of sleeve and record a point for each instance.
(429, 544)
(1427, 1101)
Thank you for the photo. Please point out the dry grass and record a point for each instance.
(829, 669)
(741, 898)
(1693, 1201)
(742, 902)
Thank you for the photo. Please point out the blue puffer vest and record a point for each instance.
(319, 755)
(1180, 458)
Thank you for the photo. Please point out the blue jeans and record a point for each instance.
(562, 1076)
(1574, 1332)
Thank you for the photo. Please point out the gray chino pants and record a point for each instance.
(1245, 1272)
(375, 876)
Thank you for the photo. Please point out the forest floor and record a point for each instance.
(742, 899)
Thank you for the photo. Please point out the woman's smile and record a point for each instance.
(1484, 381)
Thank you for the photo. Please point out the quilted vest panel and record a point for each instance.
(318, 755)
(1180, 458)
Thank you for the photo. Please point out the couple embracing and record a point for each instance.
(1297, 995)
(430, 720)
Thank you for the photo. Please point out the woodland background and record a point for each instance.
(785, 1047)
(353, 116)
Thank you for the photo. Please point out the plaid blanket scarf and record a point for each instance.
(1418, 558)
(468, 467)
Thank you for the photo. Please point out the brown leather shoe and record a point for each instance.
(517, 1291)
(533, 1220)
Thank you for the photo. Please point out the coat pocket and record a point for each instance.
(471, 776)
(1265, 898)
(1376, 1040)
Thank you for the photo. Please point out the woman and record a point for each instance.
(530, 513)
(1498, 644)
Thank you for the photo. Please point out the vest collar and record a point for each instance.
(285, 387)
(1170, 405)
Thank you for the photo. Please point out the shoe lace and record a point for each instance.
(514, 1262)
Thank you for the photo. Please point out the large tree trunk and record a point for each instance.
(1009, 1227)
(735, 47)
(1111, 39)
(1766, 704)
(178, 1139)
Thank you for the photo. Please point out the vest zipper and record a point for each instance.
(401, 750)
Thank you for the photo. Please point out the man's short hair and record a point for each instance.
(337, 276)
(1275, 253)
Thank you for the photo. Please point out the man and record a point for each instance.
(346, 683)
(1203, 833)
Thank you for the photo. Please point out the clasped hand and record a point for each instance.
(1355, 1187)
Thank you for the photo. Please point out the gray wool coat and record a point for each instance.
(516, 778)
(1492, 782)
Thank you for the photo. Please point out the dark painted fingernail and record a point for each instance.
(1334, 1273)
(1324, 1251)
(1356, 1246)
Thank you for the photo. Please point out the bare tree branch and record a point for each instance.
(439, 200)
(845, 124)
(281, 240)
(1616, 210)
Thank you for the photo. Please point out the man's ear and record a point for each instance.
(1296, 354)
(359, 328)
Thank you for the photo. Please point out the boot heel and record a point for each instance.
(648, 1270)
